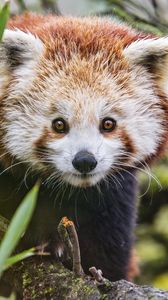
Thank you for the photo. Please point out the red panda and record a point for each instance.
(83, 105)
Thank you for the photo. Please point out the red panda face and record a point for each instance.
(81, 119)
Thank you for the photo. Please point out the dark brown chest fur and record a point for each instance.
(104, 219)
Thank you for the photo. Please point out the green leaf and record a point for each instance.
(18, 257)
(11, 297)
(4, 16)
(18, 226)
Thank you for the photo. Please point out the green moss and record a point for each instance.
(49, 290)
(51, 268)
(26, 280)
(33, 294)
(104, 297)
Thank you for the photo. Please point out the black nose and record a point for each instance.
(84, 162)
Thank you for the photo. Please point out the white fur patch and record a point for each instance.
(139, 50)
(27, 41)
(30, 49)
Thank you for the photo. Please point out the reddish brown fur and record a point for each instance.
(64, 36)
(133, 268)
(128, 143)
(46, 136)
(90, 35)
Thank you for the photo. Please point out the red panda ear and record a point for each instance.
(141, 51)
(18, 46)
(152, 54)
(19, 53)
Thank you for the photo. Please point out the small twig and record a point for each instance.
(62, 230)
(77, 268)
(97, 274)
(70, 238)
(40, 250)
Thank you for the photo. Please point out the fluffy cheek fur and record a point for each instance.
(24, 125)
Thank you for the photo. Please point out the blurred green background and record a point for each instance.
(152, 229)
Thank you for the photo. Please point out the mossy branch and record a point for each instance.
(42, 279)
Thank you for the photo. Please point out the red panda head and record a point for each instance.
(85, 102)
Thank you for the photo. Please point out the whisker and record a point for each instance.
(2, 155)
(13, 165)
(123, 167)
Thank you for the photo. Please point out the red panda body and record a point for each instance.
(83, 105)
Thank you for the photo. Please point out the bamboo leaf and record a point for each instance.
(11, 297)
(18, 257)
(17, 226)
(4, 16)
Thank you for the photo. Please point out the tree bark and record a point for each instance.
(42, 279)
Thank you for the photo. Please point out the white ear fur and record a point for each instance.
(19, 54)
(153, 55)
(139, 51)
(24, 41)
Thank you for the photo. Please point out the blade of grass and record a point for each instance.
(4, 16)
(11, 297)
(18, 257)
(18, 226)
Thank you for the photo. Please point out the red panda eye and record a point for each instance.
(60, 125)
(108, 125)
